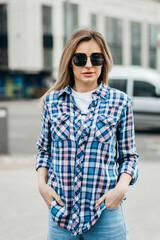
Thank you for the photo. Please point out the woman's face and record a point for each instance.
(88, 74)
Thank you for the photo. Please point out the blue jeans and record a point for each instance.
(110, 226)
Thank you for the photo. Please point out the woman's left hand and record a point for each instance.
(113, 197)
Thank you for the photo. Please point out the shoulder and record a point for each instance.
(117, 97)
(52, 97)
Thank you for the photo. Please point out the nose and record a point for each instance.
(88, 63)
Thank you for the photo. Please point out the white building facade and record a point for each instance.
(33, 35)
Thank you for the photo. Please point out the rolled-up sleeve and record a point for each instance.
(128, 157)
(43, 158)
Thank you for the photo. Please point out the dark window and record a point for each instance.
(3, 57)
(47, 37)
(47, 41)
(136, 43)
(114, 38)
(120, 84)
(93, 21)
(143, 89)
(47, 20)
(153, 46)
(70, 19)
(3, 36)
(3, 19)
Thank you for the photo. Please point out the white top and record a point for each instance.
(82, 100)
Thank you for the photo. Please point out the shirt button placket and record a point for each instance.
(77, 186)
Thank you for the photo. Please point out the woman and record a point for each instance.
(87, 156)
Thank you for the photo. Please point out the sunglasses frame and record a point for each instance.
(84, 61)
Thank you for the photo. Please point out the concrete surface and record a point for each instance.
(24, 213)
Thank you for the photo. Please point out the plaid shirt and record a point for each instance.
(85, 160)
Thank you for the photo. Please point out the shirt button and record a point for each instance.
(76, 178)
(74, 215)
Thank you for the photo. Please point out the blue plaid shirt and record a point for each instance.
(85, 160)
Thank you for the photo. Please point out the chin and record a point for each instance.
(89, 80)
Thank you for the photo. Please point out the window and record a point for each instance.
(114, 38)
(143, 89)
(93, 21)
(136, 43)
(152, 46)
(47, 56)
(3, 57)
(47, 37)
(3, 36)
(70, 19)
(120, 84)
(47, 20)
(3, 19)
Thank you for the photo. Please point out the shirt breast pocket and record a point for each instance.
(61, 127)
(105, 127)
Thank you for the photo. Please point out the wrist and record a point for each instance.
(123, 187)
(42, 185)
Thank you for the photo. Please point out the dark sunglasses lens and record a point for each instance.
(97, 59)
(80, 59)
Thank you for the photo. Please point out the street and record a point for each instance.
(23, 211)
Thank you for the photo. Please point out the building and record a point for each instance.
(33, 34)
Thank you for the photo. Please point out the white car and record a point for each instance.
(143, 86)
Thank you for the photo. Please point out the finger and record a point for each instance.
(100, 200)
(58, 199)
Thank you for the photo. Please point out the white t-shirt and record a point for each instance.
(82, 100)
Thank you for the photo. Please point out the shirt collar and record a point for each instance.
(100, 91)
(67, 90)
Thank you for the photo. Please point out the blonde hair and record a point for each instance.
(65, 73)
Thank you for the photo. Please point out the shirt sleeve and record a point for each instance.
(127, 157)
(43, 158)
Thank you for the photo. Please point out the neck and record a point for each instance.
(84, 88)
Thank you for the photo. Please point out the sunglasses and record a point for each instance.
(80, 59)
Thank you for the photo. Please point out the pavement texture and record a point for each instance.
(24, 213)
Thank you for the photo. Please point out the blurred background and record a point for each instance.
(32, 37)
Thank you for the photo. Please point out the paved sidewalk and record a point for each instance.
(17, 161)
(24, 213)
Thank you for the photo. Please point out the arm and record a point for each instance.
(127, 160)
(128, 157)
(47, 192)
(43, 159)
(114, 197)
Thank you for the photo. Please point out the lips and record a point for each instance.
(88, 73)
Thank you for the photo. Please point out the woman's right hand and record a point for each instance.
(49, 194)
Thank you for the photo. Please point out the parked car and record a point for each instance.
(143, 86)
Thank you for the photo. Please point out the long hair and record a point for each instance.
(65, 73)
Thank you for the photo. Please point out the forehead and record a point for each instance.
(88, 47)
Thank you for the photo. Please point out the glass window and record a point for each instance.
(47, 56)
(3, 36)
(47, 20)
(136, 43)
(152, 46)
(120, 84)
(3, 19)
(70, 19)
(114, 38)
(93, 21)
(3, 57)
(143, 89)
(47, 37)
